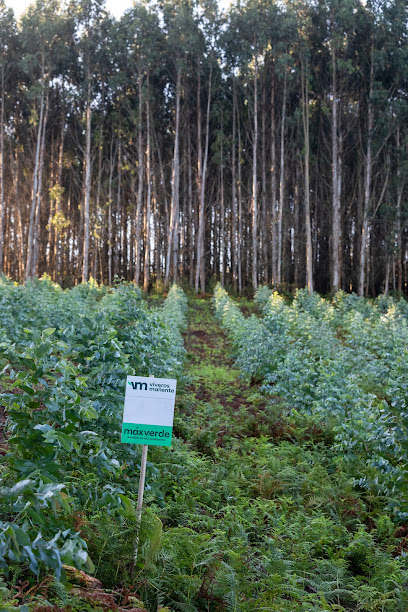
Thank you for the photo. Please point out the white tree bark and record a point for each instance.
(281, 186)
(255, 184)
(172, 241)
(308, 228)
(85, 268)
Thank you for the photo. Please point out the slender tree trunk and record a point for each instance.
(85, 269)
(99, 213)
(273, 180)
(387, 276)
(110, 231)
(36, 241)
(281, 186)
(34, 193)
(140, 183)
(400, 189)
(367, 182)
(239, 242)
(234, 237)
(200, 269)
(255, 185)
(118, 216)
(308, 227)
(149, 194)
(199, 174)
(172, 242)
(296, 229)
(264, 232)
(58, 229)
(190, 207)
(336, 181)
(166, 206)
(222, 219)
(15, 169)
(2, 202)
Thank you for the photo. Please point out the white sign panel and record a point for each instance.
(149, 410)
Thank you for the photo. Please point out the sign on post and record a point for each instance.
(149, 410)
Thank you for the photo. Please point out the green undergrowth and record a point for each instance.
(254, 507)
(67, 484)
(268, 513)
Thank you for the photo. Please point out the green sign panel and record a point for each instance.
(149, 410)
(154, 435)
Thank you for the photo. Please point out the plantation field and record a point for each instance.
(284, 488)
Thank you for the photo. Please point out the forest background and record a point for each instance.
(264, 143)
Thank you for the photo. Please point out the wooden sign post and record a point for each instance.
(147, 420)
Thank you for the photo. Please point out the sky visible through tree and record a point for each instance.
(116, 7)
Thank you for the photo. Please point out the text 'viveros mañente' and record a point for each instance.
(143, 386)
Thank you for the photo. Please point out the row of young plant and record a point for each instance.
(335, 370)
(65, 357)
(344, 360)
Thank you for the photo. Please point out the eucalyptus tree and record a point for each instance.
(42, 43)
(90, 18)
(304, 28)
(208, 32)
(8, 57)
(334, 28)
(247, 23)
(182, 36)
(393, 71)
(384, 76)
(146, 49)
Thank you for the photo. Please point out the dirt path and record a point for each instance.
(216, 394)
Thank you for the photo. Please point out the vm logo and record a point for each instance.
(138, 385)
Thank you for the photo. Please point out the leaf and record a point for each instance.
(49, 331)
(17, 489)
(33, 561)
(43, 428)
(21, 536)
(128, 504)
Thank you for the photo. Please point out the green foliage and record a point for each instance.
(338, 367)
(66, 356)
(257, 505)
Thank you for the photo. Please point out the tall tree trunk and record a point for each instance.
(58, 229)
(157, 251)
(254, 202)
(264, 233)
(148, 195)
(140, 183)
(166, 207)
(110, 229)
(234, 237)
(239, 242)
(118, 216)
(367, 182)
(15, 169)
(2, 202)
(336, 180)
(199, 174)
(36, 241)
(274, 236)
(172, 243)
(85, 268)
(400, 189)
(281, 186)
(190, 207)
(222, 219)
(200, 269)
(308, 226)
(34, 193)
